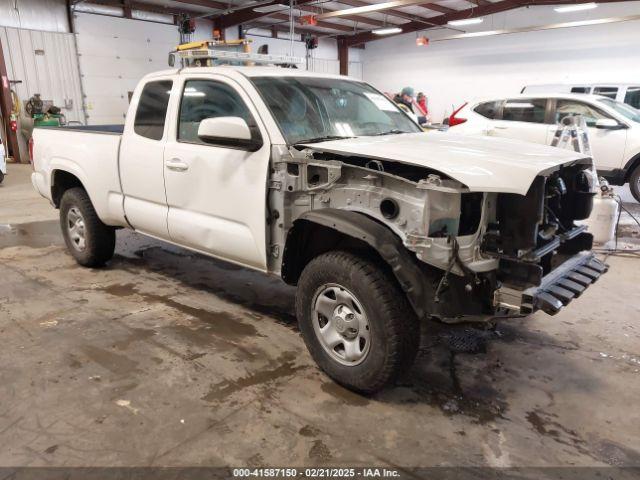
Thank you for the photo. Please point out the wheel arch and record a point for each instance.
(630, 166)
(319, 231)
(61, 181)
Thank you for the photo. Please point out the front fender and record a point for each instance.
(387, 244)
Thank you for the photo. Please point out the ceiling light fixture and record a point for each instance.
(576, 8)
(387, 31)
(466, 21)
(270, 8)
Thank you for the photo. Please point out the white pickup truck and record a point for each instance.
(325, 183)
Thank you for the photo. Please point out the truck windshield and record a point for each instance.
(310, 110)
(622, 108)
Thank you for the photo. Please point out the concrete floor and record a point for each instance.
(169, 358)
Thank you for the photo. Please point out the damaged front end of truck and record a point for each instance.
(460, 253)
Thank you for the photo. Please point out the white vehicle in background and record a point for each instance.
(614, 127)
(628, 93)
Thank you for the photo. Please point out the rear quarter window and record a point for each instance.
(489, 110)
(633, 97)
(152, 109)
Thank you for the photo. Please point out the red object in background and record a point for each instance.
(422, 41)
(13, 125)
(308, 20)
(453, 120)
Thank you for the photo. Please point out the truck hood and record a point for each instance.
(483, 164)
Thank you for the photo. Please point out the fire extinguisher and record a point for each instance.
(13, 123)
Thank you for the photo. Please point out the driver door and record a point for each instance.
(216, 194)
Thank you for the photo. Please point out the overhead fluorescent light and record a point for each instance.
(466, 21)
(576, 8)
(270, 8)
(387, 31)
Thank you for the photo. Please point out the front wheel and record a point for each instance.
(634, 183)
(89, 241)
(356, 321)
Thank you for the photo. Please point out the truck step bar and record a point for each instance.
(562, 285)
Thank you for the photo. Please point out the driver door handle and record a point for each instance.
(176, 165)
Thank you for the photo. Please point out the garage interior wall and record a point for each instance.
(454, 71)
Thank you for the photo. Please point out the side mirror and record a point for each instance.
(233, 132)
(609, 124)
(171, 60)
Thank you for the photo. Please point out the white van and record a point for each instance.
(628, 93)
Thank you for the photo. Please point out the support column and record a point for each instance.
(343, 56)
(6, 106)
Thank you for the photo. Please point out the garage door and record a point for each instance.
(115, 53)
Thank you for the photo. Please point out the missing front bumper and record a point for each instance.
(557, 289)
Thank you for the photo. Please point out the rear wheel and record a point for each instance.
(356, 321)
(634, 183)
(89, 241)
(1, 177)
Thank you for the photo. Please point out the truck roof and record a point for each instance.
(257, 71)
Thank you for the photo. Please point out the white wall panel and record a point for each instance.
(46, 15)
(115, 53)
(454, 71)
(53, 73)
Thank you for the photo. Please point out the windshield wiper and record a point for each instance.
(325, 138)
(391, 132)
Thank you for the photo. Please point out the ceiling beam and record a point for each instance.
(205, 3)
(320, 24)
(438, 8)
(245, 15)
(148, 7)
(356, 18)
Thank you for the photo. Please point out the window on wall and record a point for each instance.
(568, 108)
(611, 92)
(207, 99)
(633, 97)
(525, 110)
(152, 109)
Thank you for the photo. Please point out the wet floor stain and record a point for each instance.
(309, 431)
(221, 323)
(283, 367)
(34, 234)
(116, 363)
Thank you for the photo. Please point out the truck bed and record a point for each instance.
(90, 153)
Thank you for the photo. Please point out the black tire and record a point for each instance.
(634, 183)
(1, 177)
(99, 239)
(394, 327)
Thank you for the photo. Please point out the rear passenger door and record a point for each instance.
(141, 159)
(523, 119)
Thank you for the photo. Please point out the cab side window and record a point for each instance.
(207, 99)
(525, 110)
(567, 108)
(152, 109)
(489, 110)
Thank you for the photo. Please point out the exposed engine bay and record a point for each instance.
(482, 254)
